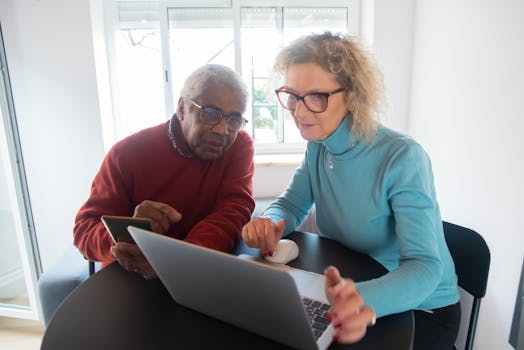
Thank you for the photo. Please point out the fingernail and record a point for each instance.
(330, 267)
(336, 338)
(374, 319)
(270, 253)
(337, 325)
(332, 317)
(329, 317)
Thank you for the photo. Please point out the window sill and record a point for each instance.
(276, 160)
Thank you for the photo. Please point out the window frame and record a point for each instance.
(354, 25)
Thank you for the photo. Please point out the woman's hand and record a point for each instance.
(130, 257)
(262, 233)
(348, 314)
(162, 216)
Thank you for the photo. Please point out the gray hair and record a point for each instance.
(196, 81)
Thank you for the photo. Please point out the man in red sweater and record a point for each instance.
(191, 176)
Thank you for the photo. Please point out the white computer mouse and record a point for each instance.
(285, 251)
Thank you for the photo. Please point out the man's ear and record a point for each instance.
(180, 109)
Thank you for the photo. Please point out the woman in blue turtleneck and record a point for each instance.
(373, 192)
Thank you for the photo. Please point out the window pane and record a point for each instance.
(12, 289)
(305, 20)
(139, 91)
(276, 27)
(198, 36)
(259, 25)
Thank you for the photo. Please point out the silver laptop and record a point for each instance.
(266, 297)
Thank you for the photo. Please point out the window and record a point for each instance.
(19, 256)
(138, 91)
(156, 44)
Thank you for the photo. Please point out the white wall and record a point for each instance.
(393, 45)
(467, 92)
(50, 58)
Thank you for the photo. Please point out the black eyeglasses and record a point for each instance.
(316, 102)
(213, 116)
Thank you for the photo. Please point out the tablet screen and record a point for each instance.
(117, 226)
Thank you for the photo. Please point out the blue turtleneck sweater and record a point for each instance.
(377, 197)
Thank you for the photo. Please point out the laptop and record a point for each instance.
(200, 279)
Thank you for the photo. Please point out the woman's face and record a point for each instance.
(306, 78)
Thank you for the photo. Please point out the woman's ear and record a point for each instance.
(180, 109)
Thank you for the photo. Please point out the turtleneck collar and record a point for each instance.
(342, 139)
(175, 134)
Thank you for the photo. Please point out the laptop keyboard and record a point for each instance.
(316, 312)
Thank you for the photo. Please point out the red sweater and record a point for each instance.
(215, 198)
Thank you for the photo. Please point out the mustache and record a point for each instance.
(216, 140)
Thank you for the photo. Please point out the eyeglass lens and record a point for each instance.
(314, 102)
(213, 116)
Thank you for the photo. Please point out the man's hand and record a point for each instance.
(262, 233)
(349, 315)
(162, 216)
(131, 258)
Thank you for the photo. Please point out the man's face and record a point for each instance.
(207, 141)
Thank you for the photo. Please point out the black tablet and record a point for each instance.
(117, 226)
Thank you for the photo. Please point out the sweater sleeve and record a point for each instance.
(294, 203)
(221, 228)
(410, 191)
(109, 196)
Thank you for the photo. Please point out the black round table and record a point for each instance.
(118, 310)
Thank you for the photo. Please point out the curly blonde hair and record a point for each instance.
(352, 67)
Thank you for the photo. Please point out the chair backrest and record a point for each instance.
(472, 259)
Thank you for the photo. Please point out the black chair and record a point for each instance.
(91, 268)
(472, 258)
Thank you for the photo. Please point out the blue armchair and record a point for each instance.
(59, 280)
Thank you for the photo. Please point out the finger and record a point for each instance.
(123, 258)
(332, 276)
(347, 304)
(354, 328)
(246, 237)
(165, 223)
(373, 319)
(273, 234)
(345, 290)
(131, 258)
(172, 214)
(269, 238)
(145, 210)
(127, 249)
(261, 233)
(333, 284)
(146, 270)
(280, 227)
(162, 216)
(249, 235)
(157, 218)
(350, 336)
(244, 234)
